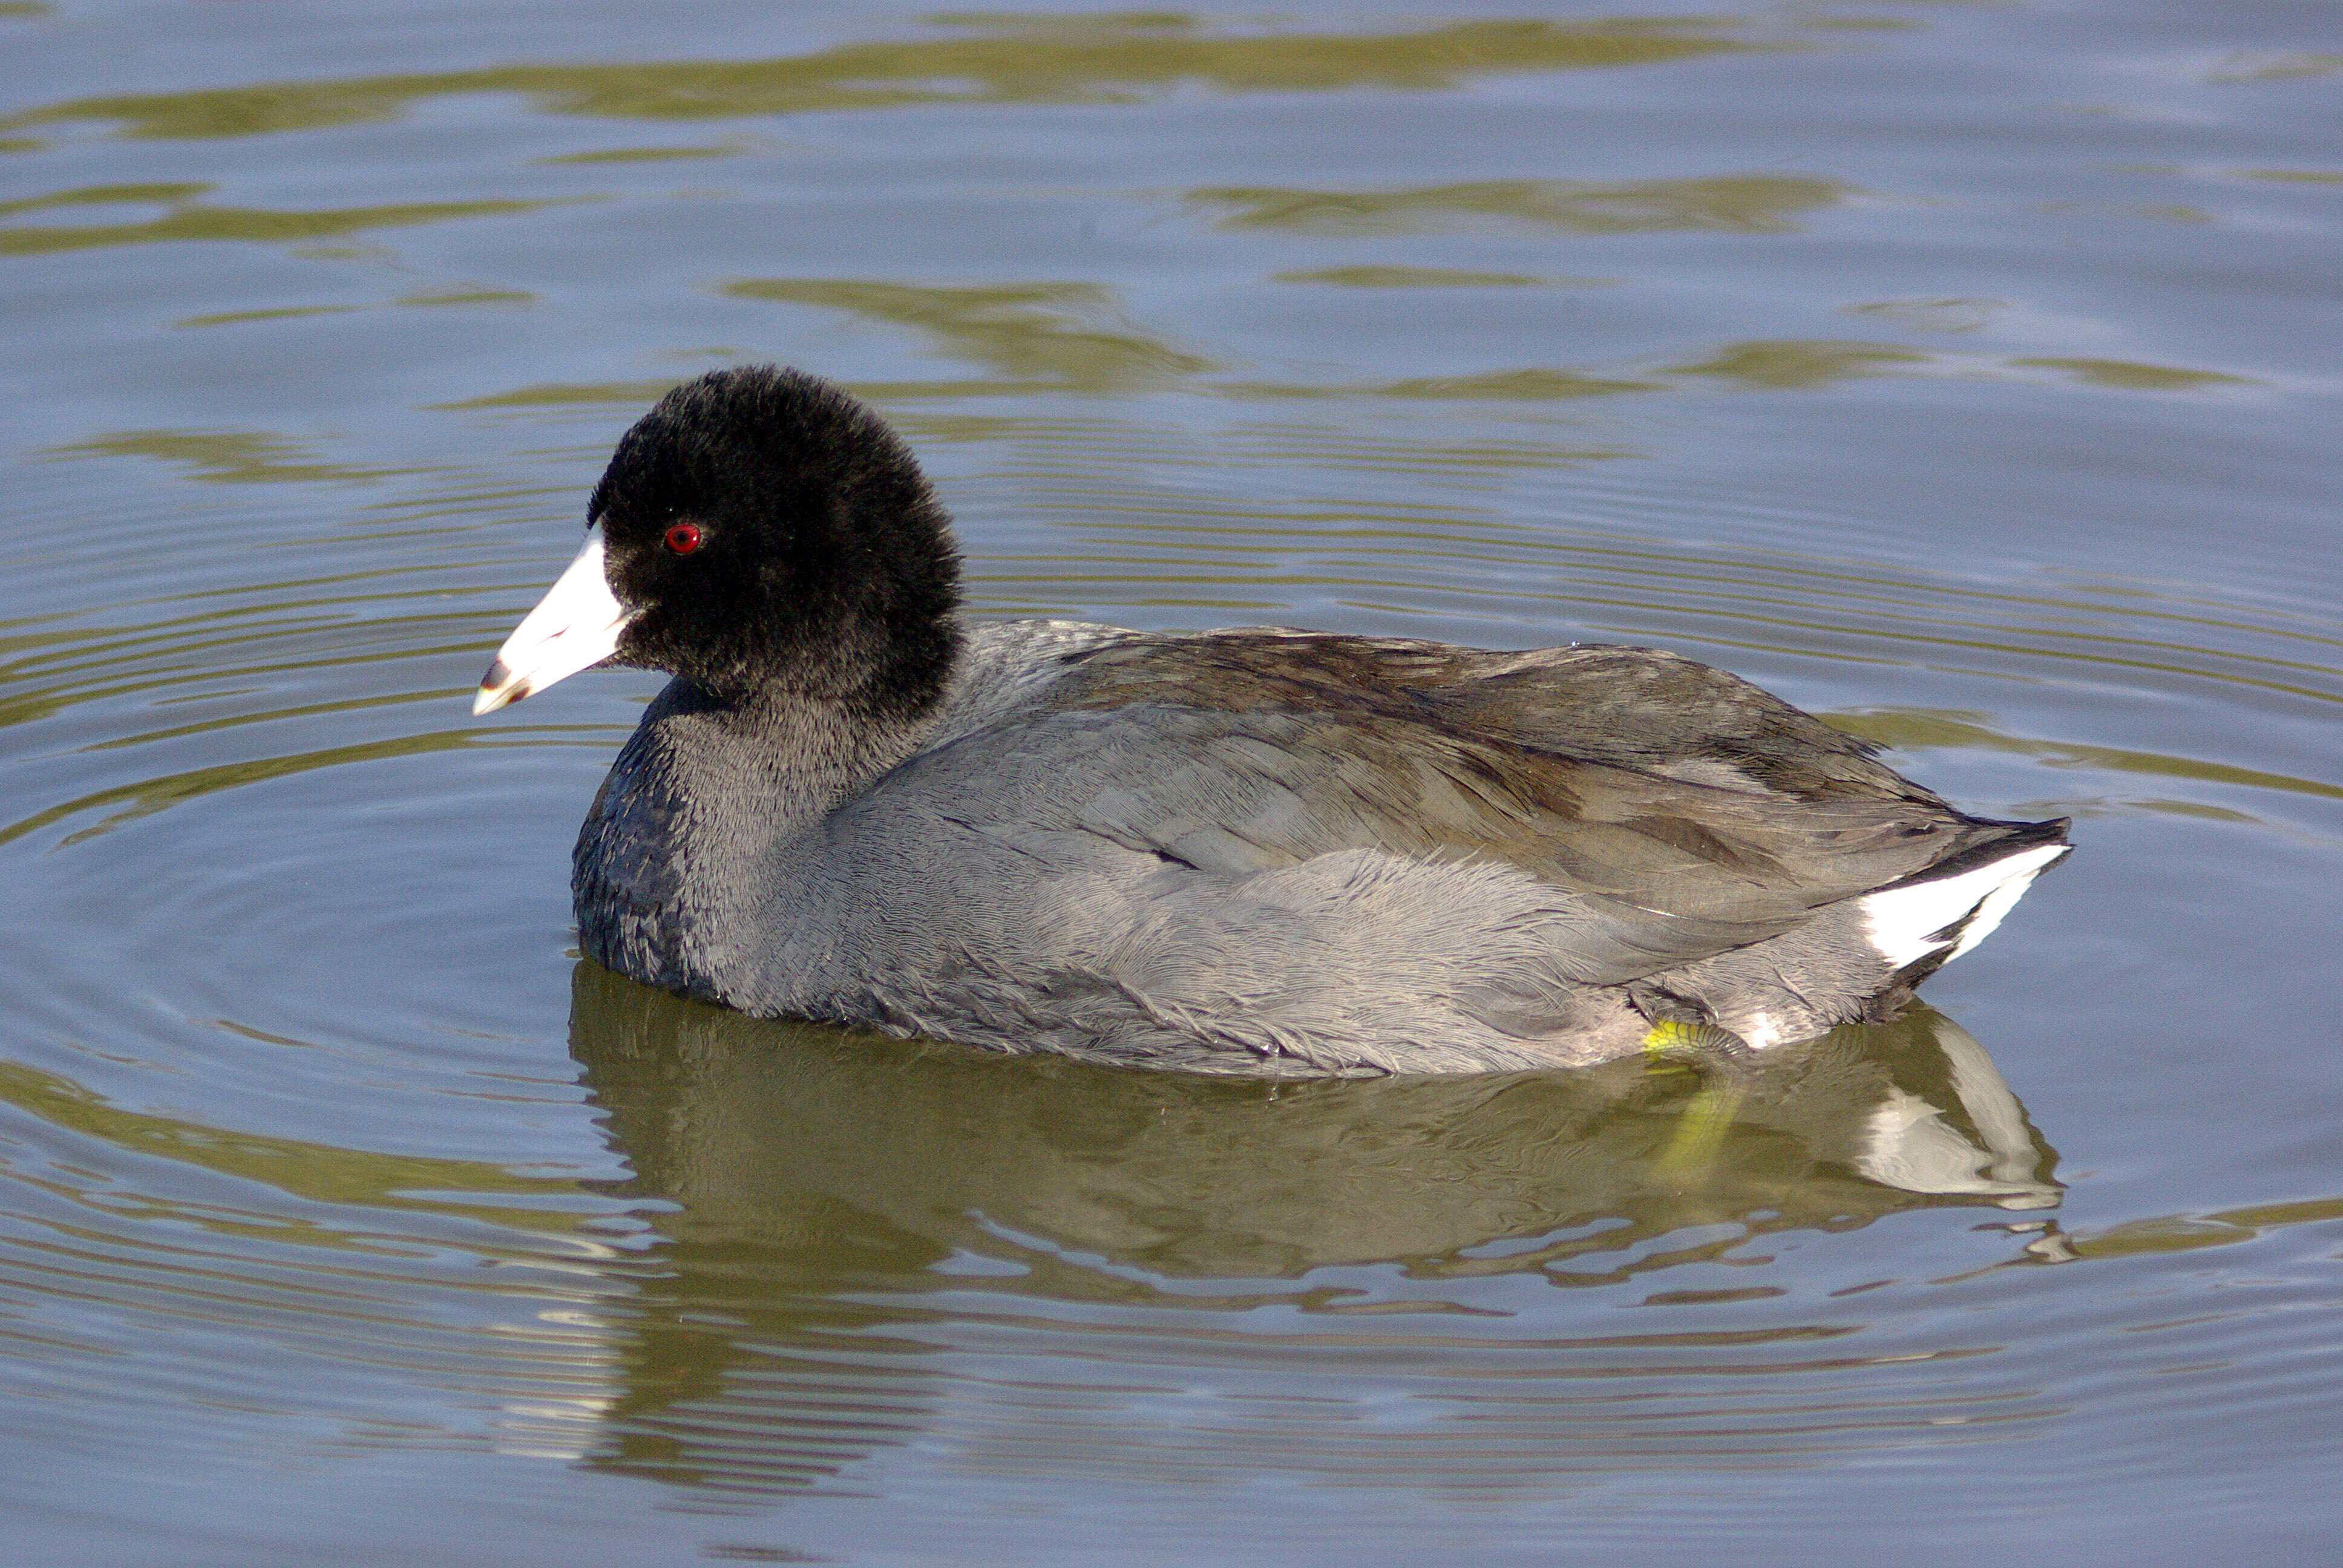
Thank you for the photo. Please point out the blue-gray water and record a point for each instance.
(1963, 372)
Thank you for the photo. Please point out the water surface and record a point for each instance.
(1963, 373)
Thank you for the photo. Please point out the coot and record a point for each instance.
(1259, 851)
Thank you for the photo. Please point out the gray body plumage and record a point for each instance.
(1255, 851)
(1271, 852)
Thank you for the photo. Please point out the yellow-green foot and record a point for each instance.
(1718, 1056)
(1695, 1045)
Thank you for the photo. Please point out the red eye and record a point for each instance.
(683, 538)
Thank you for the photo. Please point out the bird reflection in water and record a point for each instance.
(845, 1206)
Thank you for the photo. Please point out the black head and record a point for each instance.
(772, 534)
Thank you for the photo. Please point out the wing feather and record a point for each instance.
(1236, 760)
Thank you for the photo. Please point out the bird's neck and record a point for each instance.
(775, 761)
(677, 857)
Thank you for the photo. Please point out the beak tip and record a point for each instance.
(499, 688)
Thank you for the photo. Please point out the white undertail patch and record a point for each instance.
(1902, 923)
